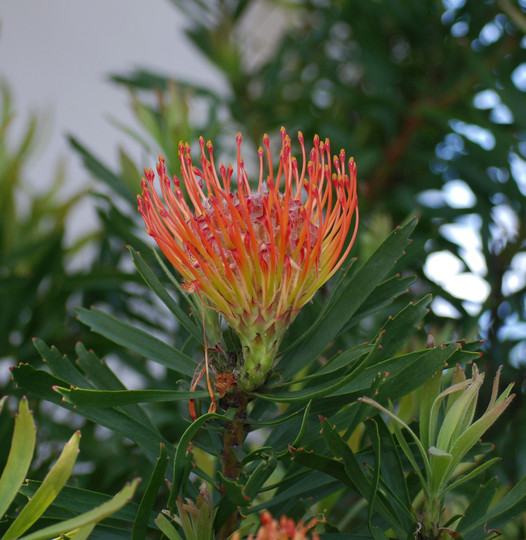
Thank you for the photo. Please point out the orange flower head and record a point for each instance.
(257, 254)
(285, 529)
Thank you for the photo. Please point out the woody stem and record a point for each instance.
(233, 438)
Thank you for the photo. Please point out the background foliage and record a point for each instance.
(428, 97)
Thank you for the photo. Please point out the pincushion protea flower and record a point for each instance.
(285, 529)
(256, 255)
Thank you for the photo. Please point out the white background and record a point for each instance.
(56, 57)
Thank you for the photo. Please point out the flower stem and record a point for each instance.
(233, 438)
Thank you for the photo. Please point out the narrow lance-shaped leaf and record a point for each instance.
(102, 172)
(48, 490)
(167, 528)
(92, 516)
(435, 408)
(348, 300)
(40, 384)
(19, 459)
(392, 473)
(180, 454)
(375, 438)
(470, 475)
(397, 424)
(430, 391)
(117, 398)
(137, 340)
(466, 441)
(510, 506)
(157, 287)
(356, 475)
(103, 378)
(140, 524)
(455, 416)
(83, 532)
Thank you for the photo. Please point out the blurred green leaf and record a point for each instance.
(74, 500)
(20, 455)
(40, 384)
(511, 505)
(347, 301)
(95, 515)
(157, 287)
(46, 493)
(117, 398)
(181, 452)
(101, 172)
(102, 377)
(142, 518)
(137, 340)
(167, 528)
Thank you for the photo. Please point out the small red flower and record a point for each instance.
(256, 255)
(285, 529)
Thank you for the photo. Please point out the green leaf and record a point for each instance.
(103, 378)
(392, 473)
(157, 287)
(48, 490)
(511, 505)
(305, 488)
(471, 474)
(384, 294)
(40, 383)
(375, 440)
(140, 524)
(102, 172)
(137, 340)
(430, 392)
(326, 388)
(322, 463)
(397, 425)
(355, 473)
(477, 509)
(93, 516)
(182, 449)
(402, 373)
(115, 398)
(398, 330)
(347, 300)
(303, 429)
(260, 475)
(454, 418)
(467, 439)
(74, 501)
(83, 532)
(167, 528)
(408, 376)
(343, 360)
(20, 455)
(440, 462)
(234, 491)
(60, 365)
